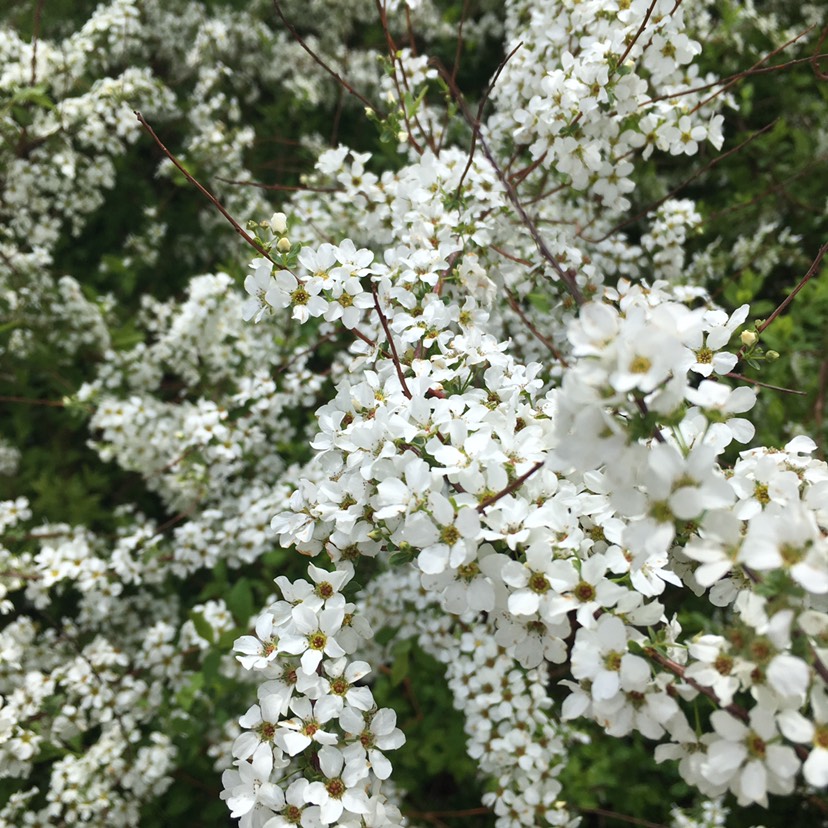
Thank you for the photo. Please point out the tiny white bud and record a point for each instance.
(749, 338)
(278, 223)
(283, 245)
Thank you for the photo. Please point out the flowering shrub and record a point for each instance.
(474, 404)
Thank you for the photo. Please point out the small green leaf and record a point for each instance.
(240, 600)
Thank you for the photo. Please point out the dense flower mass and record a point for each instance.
(498, 427)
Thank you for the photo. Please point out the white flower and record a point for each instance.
(799, 729)
(374, 733)
(339, 792)
(259, 650)
(342, 678)
(257, 284)
(295, 734)
(748, 758)
(314, 636)
(249, 787)
(600, 656)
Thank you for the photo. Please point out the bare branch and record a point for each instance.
(203, 190)
(512, 487)
(339, 79)
(391, 345)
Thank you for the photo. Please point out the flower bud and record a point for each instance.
(771, 356)
(278, 223)
(283, 245)
(749, 338)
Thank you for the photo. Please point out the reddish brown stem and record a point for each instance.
(515, 305)
(339, 79)
(766, 385)
(638, 33)
(812, 270)
(513, 486)
(203, 190)
(391, 345)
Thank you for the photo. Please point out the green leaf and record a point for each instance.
(187, 694)
(202, 626)
(402, 662)
(240, 600)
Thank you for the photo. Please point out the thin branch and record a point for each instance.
(533, 329)
(706, 168)
(774, 188)
(735, 710)
(790, 297)
(290, 188)
(458, 52)
(28, 401)
(392, 54)
(395, 356)
(510, 257)
(815, 57)
(819, 402)
(203, 190)
(642, 407)
(740, 75)
(366, 339)
(513, 486)
(766, 385)
(637, 34)
(753, 68)
(481, 106)
(466, 812)
(566, 276)
(339, 79)
(821, 669)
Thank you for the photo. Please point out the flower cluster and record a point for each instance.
(313, 746)
(532, 434)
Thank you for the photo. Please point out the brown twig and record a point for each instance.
(637, 34)
(642, 407)
(764, 70)
(515, 305)
(459, 50)
(815, 57)
(774, 188)
(790, 297)
(465, 812)
(821, 669)
(289, 188)
(706, 168)
(53, 403)
(392, 54)
(752, 69)
(819, 401)
(203, 190)
(360, 335)
(766, 385)
(339, 79)
(395, 356)
(513, 486)
(566, 276)
(481, 106)
(735, 710)
(510, 257)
